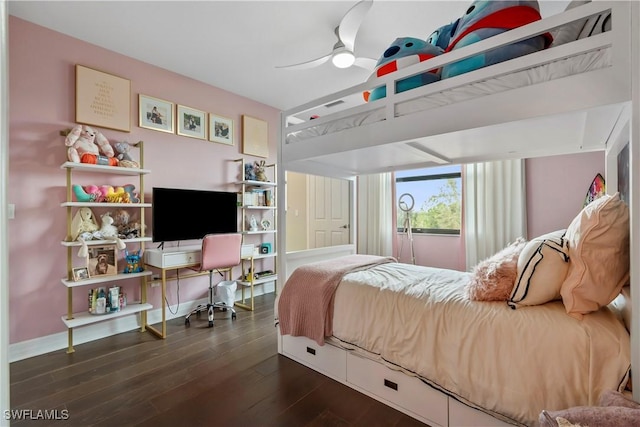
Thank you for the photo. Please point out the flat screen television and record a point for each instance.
(180, 214)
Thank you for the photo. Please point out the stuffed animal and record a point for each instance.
(84, 221)
(442, 35)
(259, 168)
(133, 261)
(127, 227)
(402, 53)
(249, 172)
(122, 149)
(88, 146)
(485, 19)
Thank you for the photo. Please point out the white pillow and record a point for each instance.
(542, 267)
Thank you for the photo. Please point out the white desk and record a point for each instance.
(176, 258)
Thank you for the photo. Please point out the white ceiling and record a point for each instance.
(236, 45)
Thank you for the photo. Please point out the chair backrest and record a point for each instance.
(220, 251)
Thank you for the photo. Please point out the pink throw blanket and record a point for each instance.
(305, 307)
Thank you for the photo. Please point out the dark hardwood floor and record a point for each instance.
(230, 375)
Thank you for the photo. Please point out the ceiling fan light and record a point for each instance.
(343, 59)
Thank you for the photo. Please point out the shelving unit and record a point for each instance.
(73, 320)
(261, 207)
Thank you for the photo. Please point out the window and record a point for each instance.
(437, 200)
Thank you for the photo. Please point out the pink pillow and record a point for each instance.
(598, 242)
(493, 278)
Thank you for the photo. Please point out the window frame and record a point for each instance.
(436, 176)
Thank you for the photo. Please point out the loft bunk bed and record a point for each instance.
(573, 97)
(567, 98)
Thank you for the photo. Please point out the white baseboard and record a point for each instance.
(46, 344)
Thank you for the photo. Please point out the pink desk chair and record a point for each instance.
(219, 252)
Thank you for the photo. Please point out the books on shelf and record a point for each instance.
(258, 197)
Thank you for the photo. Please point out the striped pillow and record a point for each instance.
(542, 267)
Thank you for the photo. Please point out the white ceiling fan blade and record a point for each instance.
(351, 21)
(308, 64)
(366, 63)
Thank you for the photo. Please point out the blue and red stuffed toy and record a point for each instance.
(483, 19)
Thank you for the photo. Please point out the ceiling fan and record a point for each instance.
(342, 55)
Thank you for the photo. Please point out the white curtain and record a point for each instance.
(375, 220)
(494, 207)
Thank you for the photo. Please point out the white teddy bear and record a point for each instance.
(83, 141)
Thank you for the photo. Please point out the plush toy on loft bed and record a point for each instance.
(403, 52)
(484, 19)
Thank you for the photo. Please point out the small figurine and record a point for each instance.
(253, 223)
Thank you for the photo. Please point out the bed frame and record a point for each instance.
(595, 110)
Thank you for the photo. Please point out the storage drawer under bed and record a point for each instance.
(398, 388)
(327, 359)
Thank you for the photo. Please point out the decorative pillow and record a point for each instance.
(598, 241)
(493, 278)
(542, 267)
(569, 32)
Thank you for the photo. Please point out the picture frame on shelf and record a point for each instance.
(191, 122)
(103, 260)
(221, 129)
(156, 114)
(102, 99)
(80, 273)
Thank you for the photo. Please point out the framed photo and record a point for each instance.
(155, 113)
(80, 273)
(102, 260)
(220, 129)
(102, 99)
(192, 122)
(255, 137)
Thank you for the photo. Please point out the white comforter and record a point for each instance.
(508, 362)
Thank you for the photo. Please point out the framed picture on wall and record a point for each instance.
(103, 261)
(155, 113)
(220, 129)
(255, 137)
(192, 122)
(102, 99)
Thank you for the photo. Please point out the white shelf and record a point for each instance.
(86, 318)
(258, 207)
(87, 167)
(257, 183)
(266, 279)
(104, 279)
(259, 232)
(261, 256)
(105, 242)
(104, 205)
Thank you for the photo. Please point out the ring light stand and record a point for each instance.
(405, 204)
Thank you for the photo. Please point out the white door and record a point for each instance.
(328, 212)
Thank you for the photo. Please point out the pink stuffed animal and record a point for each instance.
(88, 146)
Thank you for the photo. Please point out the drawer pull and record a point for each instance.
(311, 350)
(391, 385)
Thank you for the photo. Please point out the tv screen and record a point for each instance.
(179, 214)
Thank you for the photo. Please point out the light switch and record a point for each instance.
(11, 211)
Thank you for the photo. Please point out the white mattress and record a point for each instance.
(509, 363)
(554, 70)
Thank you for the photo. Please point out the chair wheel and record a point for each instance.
(211, 323)
(187, 322)
(233, 316)
(224, 309)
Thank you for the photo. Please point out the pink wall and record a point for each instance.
(42, 88)
(556, 188)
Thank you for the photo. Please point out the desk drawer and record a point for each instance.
(327, 359)
(398, 388)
